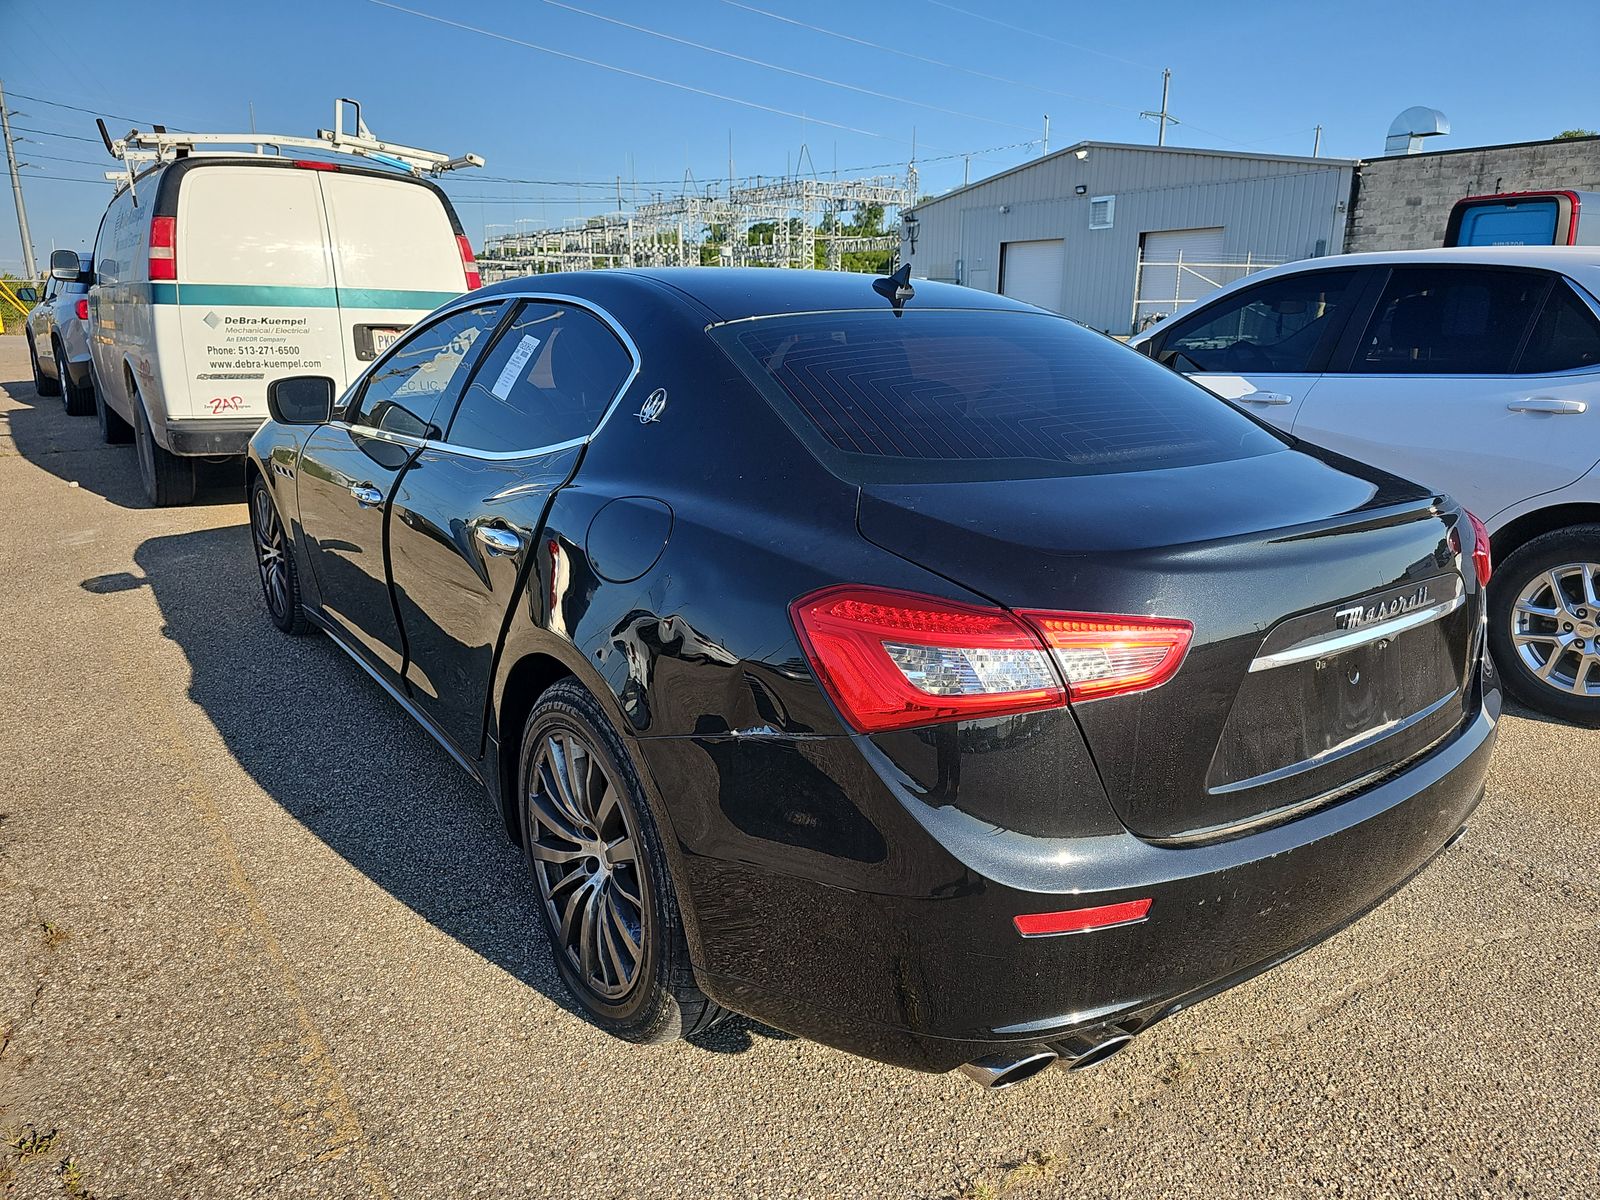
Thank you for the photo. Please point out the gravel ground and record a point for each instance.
(261, 938)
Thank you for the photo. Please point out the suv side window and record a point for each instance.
(548, 379)
(1274, 328)
(1449, 321)
(1566, 337)
(406, 387)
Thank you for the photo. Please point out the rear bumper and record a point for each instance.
(208, 437)
(930, 972)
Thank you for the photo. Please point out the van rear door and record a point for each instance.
(254, 295)
(395, 258)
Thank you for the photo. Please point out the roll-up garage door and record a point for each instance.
(1164, 286)
(1034, 272)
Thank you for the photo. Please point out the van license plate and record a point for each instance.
(373, 340)
(382, 339)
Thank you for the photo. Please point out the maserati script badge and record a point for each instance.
(1359, 615)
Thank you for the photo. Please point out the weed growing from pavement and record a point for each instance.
(72, 1180)
(31, 1144)
(54, 935)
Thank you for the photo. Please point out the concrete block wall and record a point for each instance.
(1404, 202)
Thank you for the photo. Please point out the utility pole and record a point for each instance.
(1047, 133)
(1316, 143)
(28, 264)
(1162, 118)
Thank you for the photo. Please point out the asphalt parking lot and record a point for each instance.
(262, 938)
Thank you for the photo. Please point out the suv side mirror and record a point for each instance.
(65, 265)
(301, 400)
(28, 295)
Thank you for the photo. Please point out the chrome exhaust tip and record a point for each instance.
(1081, 1053)
(996, 1071)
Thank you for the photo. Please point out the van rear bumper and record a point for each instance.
(207, 437)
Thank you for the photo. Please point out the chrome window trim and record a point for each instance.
(1358, 637)
(563, 298)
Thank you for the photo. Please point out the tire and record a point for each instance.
(1544, 623)
(579, 792)
(78, 401)
(280, 578)
(168, 479)
(41, 384)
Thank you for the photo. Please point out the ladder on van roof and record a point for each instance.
(159, 144)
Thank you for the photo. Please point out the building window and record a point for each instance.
(1102, 209)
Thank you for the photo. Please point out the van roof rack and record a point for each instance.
(159, 144)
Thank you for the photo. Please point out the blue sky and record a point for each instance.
(1251, 75)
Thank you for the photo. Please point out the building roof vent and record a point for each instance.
(1410, 127)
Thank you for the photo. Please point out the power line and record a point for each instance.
(966, 12)
(590, 62)
(76, 108)
(57, 158)
(785, 70)
(52, 133)
(66, 178)
(934, 62)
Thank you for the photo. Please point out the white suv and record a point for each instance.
(1473, 370)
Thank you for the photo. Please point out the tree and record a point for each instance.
(1569, 134)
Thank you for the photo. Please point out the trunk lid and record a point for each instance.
(1333, 629)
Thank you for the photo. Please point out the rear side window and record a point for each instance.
(1450, 321)
(1275, 328)
(406, 388)
(961, 395)
(549, 378)
(1566, 336)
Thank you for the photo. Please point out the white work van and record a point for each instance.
(216, 274)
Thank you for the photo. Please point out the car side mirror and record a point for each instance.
(65, 265)
(301, 400)
(28, 295)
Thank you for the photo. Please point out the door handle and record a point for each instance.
(1548, 404)
(1266, 398)
(498, 541)
(366, 495)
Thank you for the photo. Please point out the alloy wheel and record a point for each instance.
(585, 853)
(1555, 627)
(271, 548)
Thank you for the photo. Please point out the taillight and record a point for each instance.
(1100, 655)
(469, 264)
(163, 248)
(1480, 549)
(892, 660)
(82, 309)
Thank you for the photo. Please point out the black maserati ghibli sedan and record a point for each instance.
(896, 664)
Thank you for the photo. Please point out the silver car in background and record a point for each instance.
(58, 334)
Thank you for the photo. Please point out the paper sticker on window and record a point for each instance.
(513, 368)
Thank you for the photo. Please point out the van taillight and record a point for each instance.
(163, 248)
(82, 309)
(469, 264)
(311, 164)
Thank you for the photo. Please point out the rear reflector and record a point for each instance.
(1100, 655)
(1082, 920)
(892, 660)
(469, 263)
(1480, 550)
(82, 309)
(163, 248)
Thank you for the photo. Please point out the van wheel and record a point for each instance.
(42, 385)
(600, 869)
(1544, 623)
(114, 431)
(168, 479)
(78, 401)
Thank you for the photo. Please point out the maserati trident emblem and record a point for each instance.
(654, 405)
(1359, 615)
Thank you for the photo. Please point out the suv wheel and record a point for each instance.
(280, 580)
(605, 895)
(78, 401)
(168, 479)
(1544, 623)
(42, 385)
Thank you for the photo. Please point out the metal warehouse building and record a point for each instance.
(1113, 235)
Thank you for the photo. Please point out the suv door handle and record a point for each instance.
(498, 541)
(366, 495)
(1548, 404)
(1266, 398)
